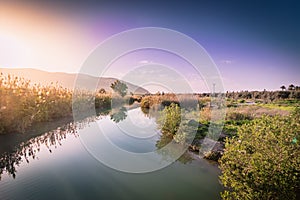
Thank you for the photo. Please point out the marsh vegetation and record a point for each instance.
(257, 150)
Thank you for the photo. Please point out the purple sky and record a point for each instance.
(254, 45)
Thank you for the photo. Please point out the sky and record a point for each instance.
(254, 44)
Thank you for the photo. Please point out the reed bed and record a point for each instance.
(23, 103)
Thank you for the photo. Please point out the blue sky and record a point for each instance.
(255, 44)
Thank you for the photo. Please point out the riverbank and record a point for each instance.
(238, 113)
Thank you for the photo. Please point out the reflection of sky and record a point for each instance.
(136, 133)
(70, 172)
(255, 46)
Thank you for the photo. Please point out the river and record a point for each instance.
(63, 164)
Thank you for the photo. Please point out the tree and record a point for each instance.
(291, 87)
(263, 161)
(119, 87)
(102, 91)
(283, 88)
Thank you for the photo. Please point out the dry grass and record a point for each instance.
(252, 112)
(247, 112)
(21, 103)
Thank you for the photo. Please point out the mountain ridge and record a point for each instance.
(67, 80)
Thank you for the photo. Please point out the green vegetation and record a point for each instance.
(262, 161)
(177, 130)
(293, 92)
(170, 119)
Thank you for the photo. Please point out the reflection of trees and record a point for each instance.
(178, 127)
(152, 112)
(118, 114)
(8, 163)
(29, 149)
(168, 154)
(51, 139)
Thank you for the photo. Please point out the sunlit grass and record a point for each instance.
(22, 103)
(279, 107)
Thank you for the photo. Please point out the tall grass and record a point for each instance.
(22, 103)
(187, 101)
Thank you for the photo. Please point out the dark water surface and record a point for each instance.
(57, 165)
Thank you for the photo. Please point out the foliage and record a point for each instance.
(172, 151)
(186, 101)
(171, 118)
(293, 92)
(145, 103)
(263, 161)
(119, 87)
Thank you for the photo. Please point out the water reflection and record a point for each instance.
(169, 154)
(27, 150)
(118, 114)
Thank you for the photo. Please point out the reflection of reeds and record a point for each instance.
(30, 148)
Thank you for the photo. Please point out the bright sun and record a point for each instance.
(13, 50)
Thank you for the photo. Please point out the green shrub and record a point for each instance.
(263, 161)
(242, 101)
(145, 103)
(170, 119)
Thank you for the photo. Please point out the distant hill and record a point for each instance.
(66, 80)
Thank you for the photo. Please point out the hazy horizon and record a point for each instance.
(151, 90)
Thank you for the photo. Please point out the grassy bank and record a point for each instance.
(23, 103)
(238, 113)
(259, 155)
(262, 161)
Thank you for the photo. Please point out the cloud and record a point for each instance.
(228, 62)
(144, 62)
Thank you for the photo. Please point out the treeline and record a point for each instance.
(290, 92)
(265, 96)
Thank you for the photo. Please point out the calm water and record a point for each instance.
(59, 165)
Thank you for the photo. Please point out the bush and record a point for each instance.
(170, 119)
(263, 161)
(145, 103)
